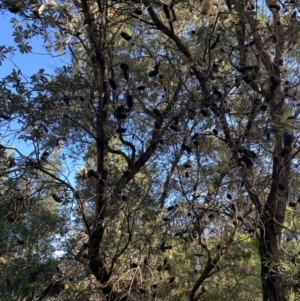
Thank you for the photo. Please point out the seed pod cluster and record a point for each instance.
(187, 165)
(66, 100)
(217, 92)
(243, 69)
(167, 11)
(157, 112)
(174, 127)
(88, 21)
(4, 117)
(126, 36)
(293, 204)
(20, 241)
(134, 265)
(274, 7)
(125, 70)
(138, 11)
(93, 173)
(194, 137)
(205, 112)
(263, 107)
(141, 88)
(121, 112)
(129, 100)
(121, 130)
(15, 7)
(249, 153)
(153, 73)
(44, 156)
(248, 161)
(113, 84)
(121, 116)
(57, 198)
(257, 101)
(185, 147)
(284, 152)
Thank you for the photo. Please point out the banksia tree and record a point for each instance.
(182, 120)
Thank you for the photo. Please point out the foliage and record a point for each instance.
(162, 155)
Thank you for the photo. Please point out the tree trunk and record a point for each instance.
(270, 238)
(273, 286)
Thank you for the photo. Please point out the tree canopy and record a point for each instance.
(163, 153)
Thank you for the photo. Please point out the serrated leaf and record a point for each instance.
(211, 186)
(277, 129)
(201, 36)
(196, 96)
(289, 128)
(293, 120)
(286, 114)
(52, 23)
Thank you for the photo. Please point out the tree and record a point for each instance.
(183, 122)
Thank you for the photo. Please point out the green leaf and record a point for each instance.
(286, 114)
(201, 36)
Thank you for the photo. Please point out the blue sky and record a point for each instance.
(28, 63)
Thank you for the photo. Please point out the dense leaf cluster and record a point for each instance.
(160, 161)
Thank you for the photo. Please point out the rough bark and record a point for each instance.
(270, 239)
